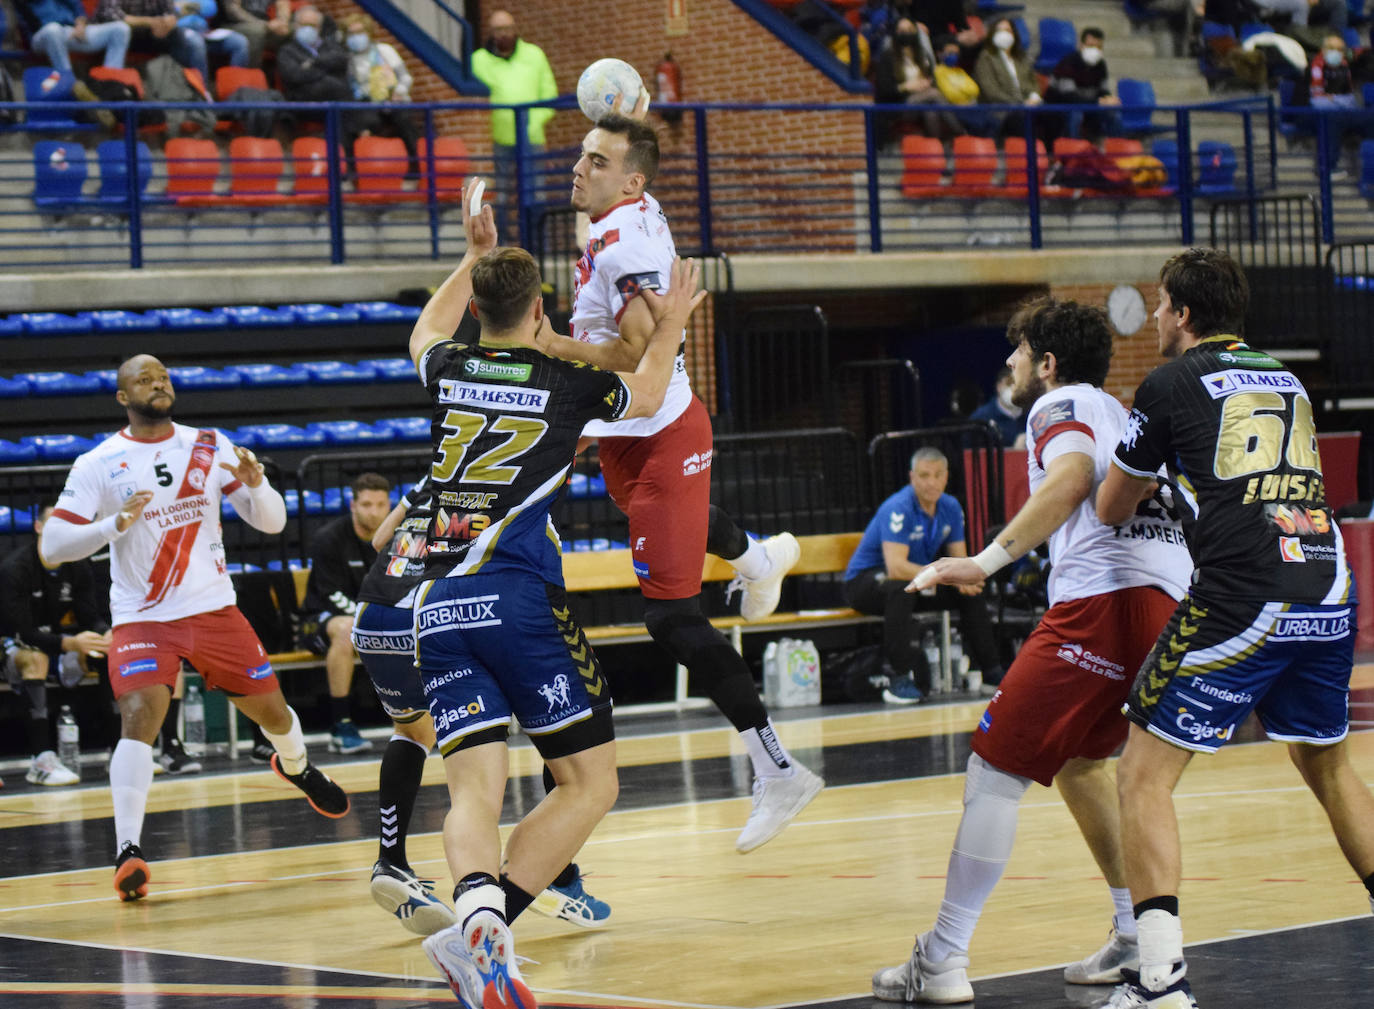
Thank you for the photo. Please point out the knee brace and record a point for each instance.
(991, 798)
(679, 626)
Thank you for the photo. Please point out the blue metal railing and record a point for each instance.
(723, 185)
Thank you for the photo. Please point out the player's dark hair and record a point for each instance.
(1092, 33)
(1078, 336)
(504, 282)
(1212, 286)
(369, 481)
(642, 155)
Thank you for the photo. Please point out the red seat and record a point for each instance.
(230, 79)
(451, 166)
(125, 75)
(192, 167)
(1122, 147)
(975, 163)
(923, 163)
(309, 161)
(1016, 183)
(382, 164)
(255, 167)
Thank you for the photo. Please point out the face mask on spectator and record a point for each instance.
(1334, 56)
(1092, 55)
(950, 59)
(1003, 40)
(359, 42)
(911, 40)
(308, 36)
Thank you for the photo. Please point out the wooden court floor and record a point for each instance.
(257, 902)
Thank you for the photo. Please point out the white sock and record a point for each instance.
(131, 774)
(766, 752)
(754, 563)
(1124, 913)
(987, 830)
(1161, 946)
(290, 746)
(487, 897)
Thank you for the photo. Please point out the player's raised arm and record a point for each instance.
(445, 308)
(257, 501)
(669, 313)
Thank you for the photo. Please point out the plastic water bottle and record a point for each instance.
(69, 740)
(956, 651)
(931, 648)
(193, 714)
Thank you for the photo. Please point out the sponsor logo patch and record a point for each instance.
(138, 666)
(695, 463)
(1076, 655)
(481, 394)
(1290, 550)
(1049, 415)
(632, 283)
(260, 672)
(641, 569)
(452, 718)
(1220, 384)
(499, 371)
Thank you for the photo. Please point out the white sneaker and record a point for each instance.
(777, 800)
(1104, 966)
(1131, 994)
(46, 769)
(410, 899)
(489, 942)
(919, 980)
(760, 595)
(448, 951)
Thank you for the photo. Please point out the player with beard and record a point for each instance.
(1057, 716)
(151, 492)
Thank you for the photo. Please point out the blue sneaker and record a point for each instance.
(411, 899)
(345, 738)
(903, 690)
(573, 903)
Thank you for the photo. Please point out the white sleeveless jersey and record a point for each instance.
(170, 563)
(1086, 557)
(629, 248)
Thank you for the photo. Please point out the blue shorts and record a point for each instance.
(1216, 662)
(502, 644)
(384, 637)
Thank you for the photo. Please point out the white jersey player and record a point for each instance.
(152, 492)
(1057, 715)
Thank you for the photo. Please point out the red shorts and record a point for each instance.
(663, 484)
(1063, 694)
(220, 644)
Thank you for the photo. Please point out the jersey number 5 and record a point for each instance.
(522, 434)
(1252, 433)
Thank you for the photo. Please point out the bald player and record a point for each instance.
(152, 493)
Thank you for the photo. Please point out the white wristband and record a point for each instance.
(993, 558)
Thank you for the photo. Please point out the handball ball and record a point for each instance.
(601, 82)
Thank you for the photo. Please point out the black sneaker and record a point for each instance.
(175, 759)
(262, 752)
(131, 873)
(325, 797)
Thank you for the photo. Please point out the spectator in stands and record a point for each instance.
(340, 555)
(905, 75)
(1330, 87)
(1080, 78)
(314, 68)
(52, 624)
(951, 78)
(910, 529)
(947, 17)
(264, 23)
(58, 28)
(516, 71)
(379, 74)
(1002, 413)
(155, 30)
(1005, 76)
(222, 43)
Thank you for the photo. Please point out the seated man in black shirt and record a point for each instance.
(51, 624)
(340, 555)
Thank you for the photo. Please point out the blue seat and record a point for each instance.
(408, 428)
(59, 173)
(107, 377)
(199, 377)
(1057, 39)
(193, 318)
(13, 453)
(1137, 108)
(271, 374)
(1138, 14)
(318, 315)
(117, 321)
(1023, 32)
(55, 323)
(1167, 152)
(391, 369)
(1210, 71)
(44, 84)
(314, 503)
(281, 436)
(60, 383)
(333, 372)
(113, 159)
(582, 486)
(334, 501)
(1253, 28)
(11, 325)
(1216, 162)
(13, 388)
(351, 432)
(15, 519)
(1294, 120)
(58, 447)
(384, 311)
(254, 316)
(1367, 169)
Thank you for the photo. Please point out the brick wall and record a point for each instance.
(1135, 355)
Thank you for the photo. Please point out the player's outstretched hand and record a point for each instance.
(682, 297)
(641, 110)
(132, 508)
(247, 470)
(479, 227)
(961, 571)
